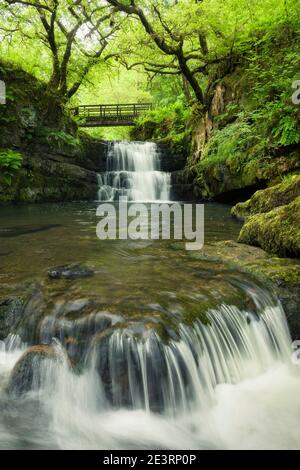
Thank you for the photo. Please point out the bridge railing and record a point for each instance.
(111, 111)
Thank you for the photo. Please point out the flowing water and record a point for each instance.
(161, 348)
(133, 170)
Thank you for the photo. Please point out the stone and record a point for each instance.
(27, 373)
(281, 275)
(71, 271)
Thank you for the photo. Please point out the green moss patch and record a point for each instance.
(277, 231)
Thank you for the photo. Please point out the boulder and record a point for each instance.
(266, 200)
(27, 374)
(277, 231)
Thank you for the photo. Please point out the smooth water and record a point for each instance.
(161, 348)
(133, 170)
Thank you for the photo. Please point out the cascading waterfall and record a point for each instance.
(133, 170)
(138, 391)
(181, 375)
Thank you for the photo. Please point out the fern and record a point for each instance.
(10, 163)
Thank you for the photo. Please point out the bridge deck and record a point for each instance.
(105, 115)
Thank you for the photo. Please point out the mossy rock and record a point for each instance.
(267, 199)
(281, 275)
(277, 231)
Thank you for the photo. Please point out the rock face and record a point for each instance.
(235, 179)
(45, 179)
(59, 162)
(182, 187)
(72, 271)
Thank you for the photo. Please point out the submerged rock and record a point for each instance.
(71, 271)
(124, 364)
(16, 231)
(27, 374)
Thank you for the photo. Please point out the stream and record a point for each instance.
(162, 348)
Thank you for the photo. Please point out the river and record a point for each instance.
(160, 348)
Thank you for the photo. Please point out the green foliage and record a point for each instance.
(60, 138)
(262, 119)
(272, 70)
(168, 124)
(230, 140)
(287, 132)
(10, 163)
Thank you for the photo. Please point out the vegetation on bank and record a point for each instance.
(10, 163)
(277, 231)
(266, 200)
(166, 124)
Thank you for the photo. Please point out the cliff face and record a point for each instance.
(229, 159)
(58, 163)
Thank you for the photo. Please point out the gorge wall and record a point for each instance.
(57, 163)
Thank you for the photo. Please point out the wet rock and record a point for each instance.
(134, 374)
(72, 271)
(282, 275)
(28, 372)
(11, 310)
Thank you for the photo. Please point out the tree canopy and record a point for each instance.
(183, 46)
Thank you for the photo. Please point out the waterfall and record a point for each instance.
(210, 387)
(133, 170)
(182, 375)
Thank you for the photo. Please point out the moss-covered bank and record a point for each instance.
(58, 163)
(266, 200)
(282, 275)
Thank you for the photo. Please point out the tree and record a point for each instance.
(201, 40)
(76, 34)
(186, 47)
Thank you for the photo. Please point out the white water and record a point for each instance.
(133, 170)
(229, 385)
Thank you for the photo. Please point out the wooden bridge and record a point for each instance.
(105, 115)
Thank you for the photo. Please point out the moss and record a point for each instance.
(59, 162)
(266, 200)
(254, 260)
(277, 231)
